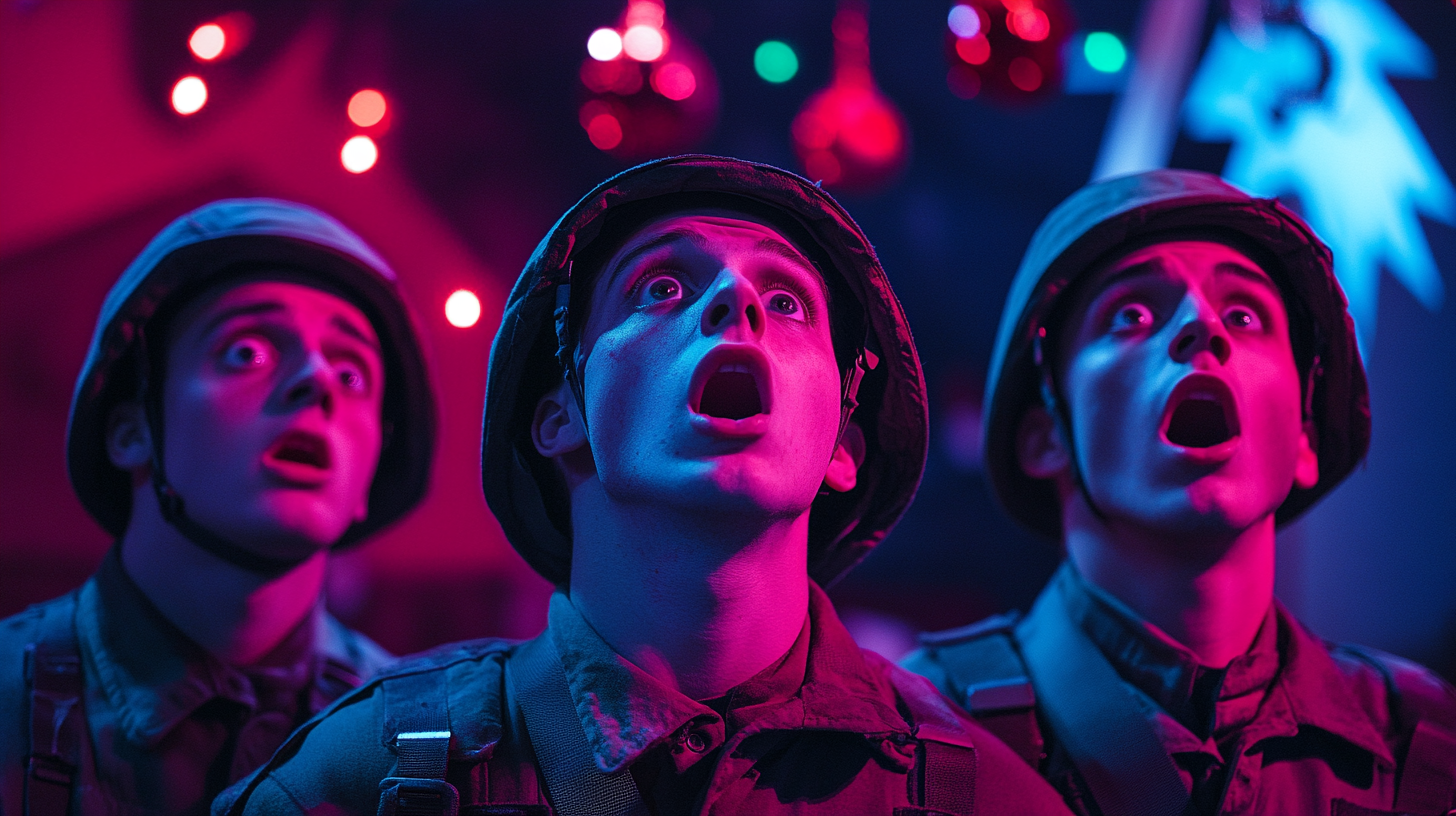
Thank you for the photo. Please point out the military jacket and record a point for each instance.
(1297, 725)
(826, 730)
(164, 726)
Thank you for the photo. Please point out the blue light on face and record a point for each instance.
(1343, 144)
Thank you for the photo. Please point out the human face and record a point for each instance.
(1182, 390)
(271, 414)
(710, 377)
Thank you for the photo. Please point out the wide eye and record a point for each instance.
(352, 376)
(786, 303)
(1131, 317)
(248, 353)
(662, 289)
(1242, 317)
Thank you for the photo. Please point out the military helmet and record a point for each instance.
(523, 488)
(1107, 219)
(201, 249)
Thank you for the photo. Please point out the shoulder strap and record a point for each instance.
(575, 785)
(1095, 716)
(988, 678)
(1427, 782)
(57, 722)
(416, 712)
(944, 778)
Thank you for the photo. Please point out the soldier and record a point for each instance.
(703, 404)
(1175, 376)
(254, 397)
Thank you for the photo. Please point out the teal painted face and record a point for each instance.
(271, 407)
(1182, 390)
(710, 376)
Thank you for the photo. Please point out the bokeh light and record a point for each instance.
(604, 131)
(975, 50)
(1104, 52)
(964, 21)
(604, 44)
(462, 309)
(367, 108)
(1025, 74)
(644, 43)
(189, 95)
(775, 61)
(359, 154)
(1029, 23)
(208, 41)
(674, 81)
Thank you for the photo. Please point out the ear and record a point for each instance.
(849, 454)
(1306, 463)
(1039, 447)
(128, 439)
(556, 427)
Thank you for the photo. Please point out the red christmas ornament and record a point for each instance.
(851, 136)
(1007, 50)
(649, 90)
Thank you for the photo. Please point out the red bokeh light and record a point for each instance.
(1015, 55)
(367, 108)
(850, 135)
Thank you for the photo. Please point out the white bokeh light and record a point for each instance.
(462, 309)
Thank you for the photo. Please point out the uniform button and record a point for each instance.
(696, 743)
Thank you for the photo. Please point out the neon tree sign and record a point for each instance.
(1311, 116)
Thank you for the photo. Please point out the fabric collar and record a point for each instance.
(1287, 666)
(154, 676)
(822, 683)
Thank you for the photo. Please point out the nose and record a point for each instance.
(734, 307)
(313, 383)
(1203, 331)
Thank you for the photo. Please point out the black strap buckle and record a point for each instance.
(399, 796)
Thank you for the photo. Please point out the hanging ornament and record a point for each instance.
(851, 136)
(649, 90)
(1007, 50)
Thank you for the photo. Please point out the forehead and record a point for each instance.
(1183, 258)
(714, 232)
(280, 295)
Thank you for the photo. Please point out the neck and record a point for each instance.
(1208, 592)
(237, 615)
(702, 607)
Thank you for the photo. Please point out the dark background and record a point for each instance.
(484, 150)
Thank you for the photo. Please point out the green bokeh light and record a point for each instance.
(775, 61)
(1104, 52)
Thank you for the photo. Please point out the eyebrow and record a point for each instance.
(671, 236)
(1245, 272)
(1154, 267)
(773, 246)
(271, 307)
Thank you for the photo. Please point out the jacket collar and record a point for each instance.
(822, 683)
(1290, 667)
(153, 676)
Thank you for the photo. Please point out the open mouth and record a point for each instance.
(731, 383)
(1201, 413)
(301, 448)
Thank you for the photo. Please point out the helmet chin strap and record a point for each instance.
(1062, 421)
(170, 501)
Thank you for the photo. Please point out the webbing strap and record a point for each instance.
(1427, 784)
(1095, 715)
(945, 778)
(575, 785)
(417, 714)
(991, 682)
(57, 723)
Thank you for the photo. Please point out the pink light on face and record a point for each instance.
(674, 81)
(359, 154)
(189, 95)
(207, 42)
(462, 309)
(367, 108)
